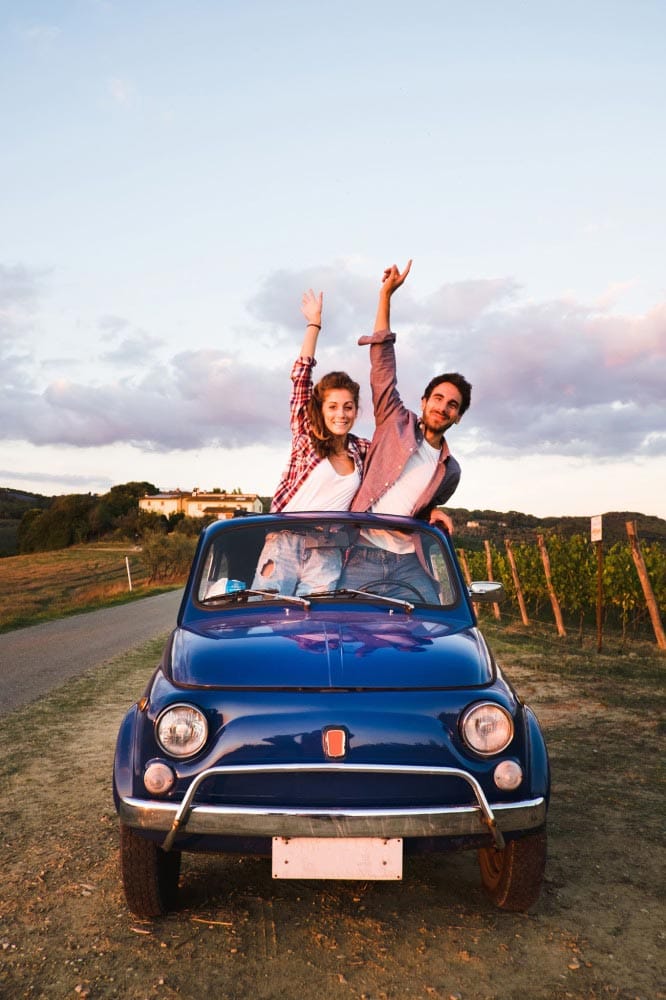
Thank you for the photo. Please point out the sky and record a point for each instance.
(173, 176)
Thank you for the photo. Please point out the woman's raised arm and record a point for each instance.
(311, 306)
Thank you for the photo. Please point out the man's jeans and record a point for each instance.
(368, 565)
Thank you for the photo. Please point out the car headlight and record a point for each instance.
(487, 728)
(181, 730)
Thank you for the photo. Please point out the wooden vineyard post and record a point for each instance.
(516, 581)
(466, 573)
(596, 537)
(561, 631)
(600, 594)
(465, 568)
(639, 563)
(489, 564)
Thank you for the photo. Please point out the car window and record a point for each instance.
(309, 559)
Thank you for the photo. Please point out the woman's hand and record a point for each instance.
(311, 306)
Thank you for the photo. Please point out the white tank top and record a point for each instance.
(325, 489)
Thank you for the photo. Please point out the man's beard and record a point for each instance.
(441, 427)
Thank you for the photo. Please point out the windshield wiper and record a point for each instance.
(236, 596)
(349, 591)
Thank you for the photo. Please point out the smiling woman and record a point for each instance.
(326, 461)
(324, 469)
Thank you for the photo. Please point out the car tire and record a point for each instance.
(150, 875)
(513, 876)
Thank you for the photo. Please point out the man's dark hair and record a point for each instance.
(461, 384)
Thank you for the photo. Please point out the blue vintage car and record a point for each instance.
(332, 723)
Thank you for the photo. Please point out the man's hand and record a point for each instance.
(441, 520)
(393, 278)
(311, 306)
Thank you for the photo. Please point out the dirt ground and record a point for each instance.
(597, 932)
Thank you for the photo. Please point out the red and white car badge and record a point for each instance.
(334, 741)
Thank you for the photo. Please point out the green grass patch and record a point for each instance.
(538, 646)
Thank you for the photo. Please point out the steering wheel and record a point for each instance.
(393, 583)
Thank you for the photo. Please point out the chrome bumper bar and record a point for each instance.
(331, 821)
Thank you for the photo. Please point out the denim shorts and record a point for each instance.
(297, 563)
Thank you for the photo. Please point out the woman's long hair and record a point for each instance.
(322, 439)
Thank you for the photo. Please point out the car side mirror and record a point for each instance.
(486, 591)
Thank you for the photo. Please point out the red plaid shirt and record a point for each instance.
(304, 458)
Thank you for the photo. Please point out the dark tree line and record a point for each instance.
(86, 517)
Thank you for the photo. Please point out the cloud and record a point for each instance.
(461, 303)
(561, 378)
(20, 294)
(556, 377)
(349, 300)
(20, 289)
(134, 349)
(121, 91)
(201, 398)
(47, 478)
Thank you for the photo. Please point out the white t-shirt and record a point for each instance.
(417, 473)
(399, 498)
(325, 489)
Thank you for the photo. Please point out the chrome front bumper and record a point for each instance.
(307, 821)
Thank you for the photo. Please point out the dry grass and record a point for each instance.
(597, 933)
(46, 585)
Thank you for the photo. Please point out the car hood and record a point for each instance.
(316, 651)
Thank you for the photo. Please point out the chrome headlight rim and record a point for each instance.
(465, 720)
(200, 740)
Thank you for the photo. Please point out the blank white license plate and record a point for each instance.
(337, 857)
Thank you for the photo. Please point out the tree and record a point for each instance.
(64, 523)
(167, 556)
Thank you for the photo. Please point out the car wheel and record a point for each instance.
(513, 876)
(150, 875)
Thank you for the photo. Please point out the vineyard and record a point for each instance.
(568, 581)
(566, 598)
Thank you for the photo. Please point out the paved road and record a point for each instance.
(35, 660)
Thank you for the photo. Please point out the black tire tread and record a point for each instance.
(150, 875)
(513, 877)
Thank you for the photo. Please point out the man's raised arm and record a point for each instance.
(392, 280)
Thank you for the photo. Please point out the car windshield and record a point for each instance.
(251, 561)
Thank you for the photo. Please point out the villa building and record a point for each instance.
(199, 503)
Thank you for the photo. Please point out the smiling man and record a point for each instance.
(409, 469)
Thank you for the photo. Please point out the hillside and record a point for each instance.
(472, 527)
